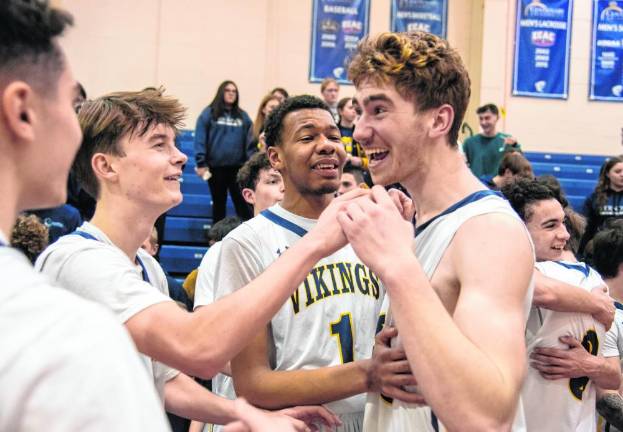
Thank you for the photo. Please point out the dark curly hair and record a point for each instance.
(274, 123)
(607, 250)
(523, 193)
(249, 174)
(28, 50)
(422, 67)
(30, 236)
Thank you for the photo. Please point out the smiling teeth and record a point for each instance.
(324, 166)
(371, 152)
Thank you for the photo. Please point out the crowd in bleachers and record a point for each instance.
(229, 218)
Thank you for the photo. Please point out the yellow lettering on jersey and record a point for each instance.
(365, 289)
(310, 299)
(322, 290)
(335, 291)
(346, 276)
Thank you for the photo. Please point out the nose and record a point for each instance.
(563, 234)
(178, 157)
(362, 132)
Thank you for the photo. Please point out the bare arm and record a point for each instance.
(562, 297)
(451, 356)
(201, 343)
(270, 389)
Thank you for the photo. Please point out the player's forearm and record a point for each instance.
(280, 389)
(605, 372)
(187, 399)
(450, 369)
(562, 297)
(220, 330)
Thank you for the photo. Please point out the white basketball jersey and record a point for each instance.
(329, 320)
(570, 403)
(613, 347)
(431, 241)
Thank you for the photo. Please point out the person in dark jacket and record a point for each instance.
(606, 202)
(223, 143)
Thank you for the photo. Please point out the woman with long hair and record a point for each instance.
(267, 105)
(223, 143)
(606, 202)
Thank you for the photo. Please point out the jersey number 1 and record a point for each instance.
(343, 330)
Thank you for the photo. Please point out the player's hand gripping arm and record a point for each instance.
(201, 343)
(559, 296)
(452, 357)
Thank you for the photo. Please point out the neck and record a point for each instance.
(616, 188)
(346, 124)
(10, 190)
(490, 134)
(308, 206)
(127, 225)
(615, 285)
(441, 178)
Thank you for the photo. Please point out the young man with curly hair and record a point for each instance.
(471, 256)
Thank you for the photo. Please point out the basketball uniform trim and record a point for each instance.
(283, 222)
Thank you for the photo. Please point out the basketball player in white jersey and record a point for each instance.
(65, 363)
(317, 346)
(460, 302)
(128, 161)
(565, 348)
(607, 257)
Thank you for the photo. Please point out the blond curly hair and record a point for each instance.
(422, 67)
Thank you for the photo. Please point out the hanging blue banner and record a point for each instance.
(337, 28)
(427, 15)
(542, 45)
(607, 51)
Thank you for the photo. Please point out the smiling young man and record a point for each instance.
(129, 162)
(565, 348)
(66, 364)
(471, 262)
(316, 347)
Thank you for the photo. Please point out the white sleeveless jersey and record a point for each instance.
(329, 320)
(432, 239)
(570, 402)
(613, 347)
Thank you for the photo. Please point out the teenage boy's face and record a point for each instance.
(547, 229)
(311, 155)
(268, 190)
(57, 137)
(390, 131)
(151, 169)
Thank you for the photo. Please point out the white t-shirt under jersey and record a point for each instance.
(563, 405)
(99, 271)
(65, 363)
(432, 240)
(613, 347)
(338, 301)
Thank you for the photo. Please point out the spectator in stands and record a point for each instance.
(223, 143)
(214, 235)
(59, 220)
(280, 93)
(352, 178)
(608, 261)
(485, 150)
(30, 236)
(606, 202)
(330, 90)
(267, 105)
(347, 116)
(512, 166)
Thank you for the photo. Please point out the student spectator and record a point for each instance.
(280, 93)
(512, 166)
(485, 150)
(352, 178)
(606, 202)
(223, 142)
(30, 236)
(59, 220)
(330, 90)
(267, 105)
(67, 364)
(347, 115)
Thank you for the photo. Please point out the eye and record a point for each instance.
(379, 110)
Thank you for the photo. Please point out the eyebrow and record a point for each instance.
(157, 137)
(555, 220)
(310, 125)
(380, 97)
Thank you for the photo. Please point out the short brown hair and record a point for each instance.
(421, 66)
(249, 174)
(108, 119)
(325, 83)
(516, 163)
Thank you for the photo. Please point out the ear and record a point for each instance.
(363, 185)
(18, 110)
(275, 157)
(248, 195)
(442, 121)
(104, 167)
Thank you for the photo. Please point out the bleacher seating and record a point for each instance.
(184, 242)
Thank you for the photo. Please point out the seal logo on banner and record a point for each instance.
(536, 9)
(612, 12)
